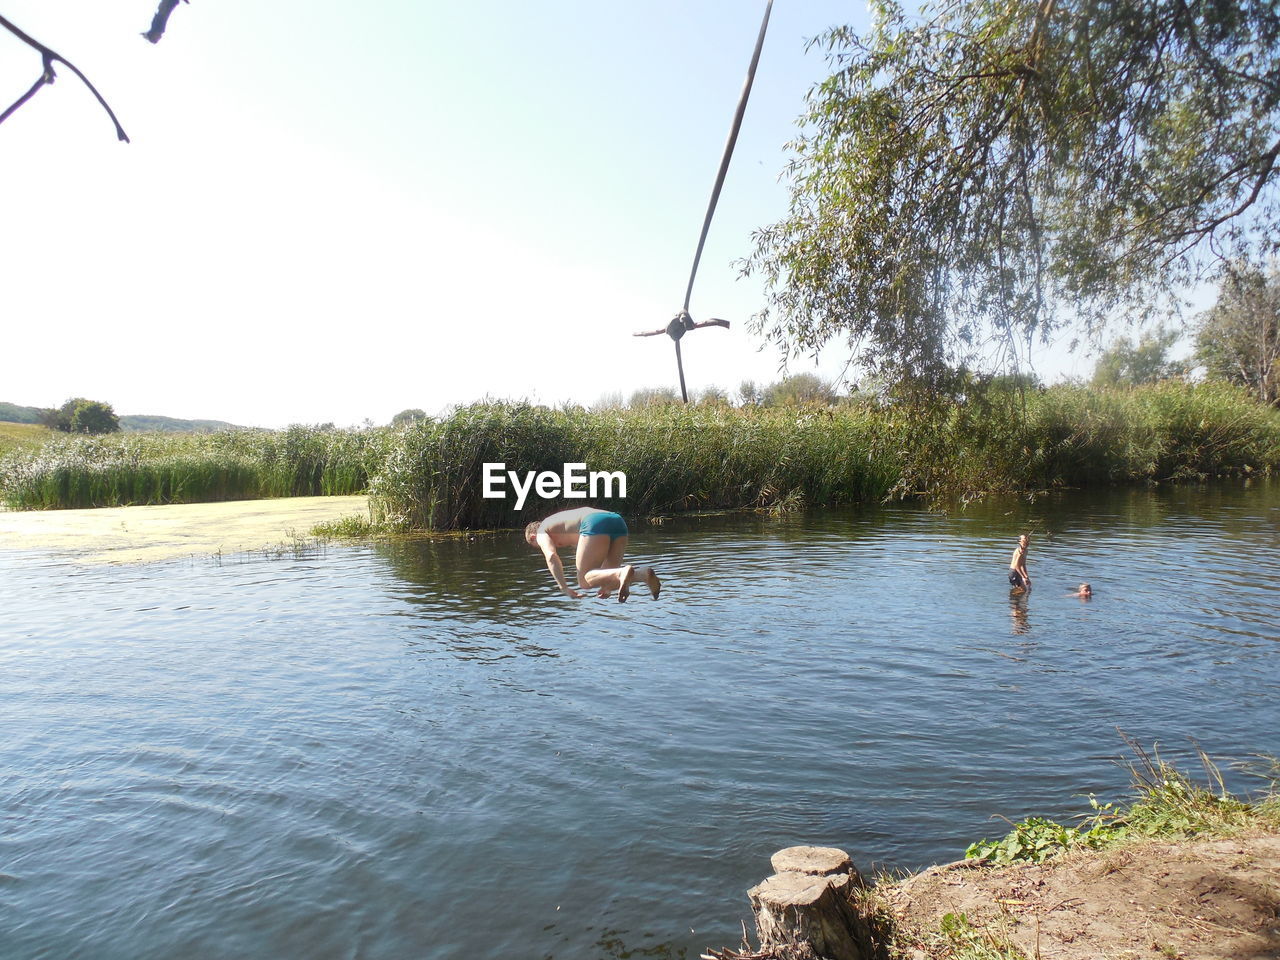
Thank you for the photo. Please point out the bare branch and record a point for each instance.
(45, 77)
(48, 58)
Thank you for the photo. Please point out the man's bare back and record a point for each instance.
(564, 527)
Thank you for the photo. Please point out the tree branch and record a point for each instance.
(1199, 231)
(161, 20)
(48, 58)
(45, 77)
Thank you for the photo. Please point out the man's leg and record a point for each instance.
(600, 562)
(593, 553)
(600, 567)
(646, 574)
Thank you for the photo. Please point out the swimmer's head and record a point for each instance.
(1086, 590)
(531, 533)
(1024, 539)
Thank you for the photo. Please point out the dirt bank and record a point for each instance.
(1213, 899)
(148, 534)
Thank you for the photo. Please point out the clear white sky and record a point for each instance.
(332, 211)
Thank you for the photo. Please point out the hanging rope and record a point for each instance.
(682, 323)
(728, 152)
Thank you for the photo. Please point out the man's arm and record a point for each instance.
(555, 566)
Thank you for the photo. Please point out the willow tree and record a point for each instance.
(994, 169)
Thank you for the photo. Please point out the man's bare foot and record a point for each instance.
(628, 575)
(651, 578)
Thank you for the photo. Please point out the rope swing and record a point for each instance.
(682, 323)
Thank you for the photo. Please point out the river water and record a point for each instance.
(418, 750)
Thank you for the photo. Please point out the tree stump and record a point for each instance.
(819, 861)
(807, 900)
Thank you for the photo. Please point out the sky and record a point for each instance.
(331, 211)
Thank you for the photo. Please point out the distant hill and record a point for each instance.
(144, 423)
(133, 423)
(12, 413)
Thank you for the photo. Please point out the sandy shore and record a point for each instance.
(148, 534)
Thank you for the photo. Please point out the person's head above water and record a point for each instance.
(1084, 591)
(1024, 539)
(531, 533)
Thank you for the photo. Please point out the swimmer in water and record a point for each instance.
(600, 538)
(1084, 593)
(1019, 579)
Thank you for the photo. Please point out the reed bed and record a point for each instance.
(22, 438)
(1008, 441)
(429, 476)
(675, 458)
(679, 458)
(124, 469)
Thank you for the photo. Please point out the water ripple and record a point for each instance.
(358, 755)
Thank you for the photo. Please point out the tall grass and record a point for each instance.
(675, 459)
(121, 469)
(25, 438)
(1008, 441)
(680, 458)
(429, 476)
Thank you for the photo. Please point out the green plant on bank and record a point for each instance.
(958, 939)
(1036, 839)
(1171, 805)
(353, 527)
(1167, 805)
(954, 937)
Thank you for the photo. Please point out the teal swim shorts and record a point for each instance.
(594, 524)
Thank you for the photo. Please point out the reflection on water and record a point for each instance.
(1021, 620)
(421, 749)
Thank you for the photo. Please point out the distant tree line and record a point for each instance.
(1237, 340)
(406, 417)
(796, 389)
(1127, 363)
